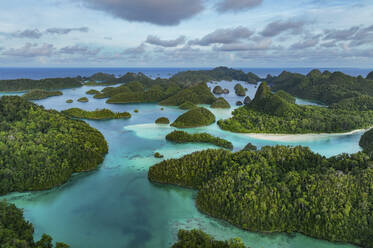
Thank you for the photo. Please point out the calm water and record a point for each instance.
(117, 207)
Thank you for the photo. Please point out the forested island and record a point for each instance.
(15, 231)
(325, 87)
(38, 94)
(220, 103)
(162, 120)
(199, 239)
(196, 117)
(280, 189)
(184, 137)
(98, 114)
(45, 84)
(40, 149)
(277, 113)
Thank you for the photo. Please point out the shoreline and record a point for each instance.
(299, 137)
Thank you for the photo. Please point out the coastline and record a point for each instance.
(299, 137)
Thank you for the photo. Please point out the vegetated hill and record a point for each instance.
(184, 137)
(98, 114)
(187, 105)
(220, 103)
(41, 149)
(366, 142)
(217, 74)
(194, 118)
(162, 120)
(275, 113)
(324, 87)
(280, 189)
(45, 84)
(38, 94)
(240, 91)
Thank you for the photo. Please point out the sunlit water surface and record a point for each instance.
(116, 205)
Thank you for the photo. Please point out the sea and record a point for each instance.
(116, 206)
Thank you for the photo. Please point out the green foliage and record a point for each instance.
(40, 149)
(366, 142)
(102, 77)
(280, 189)
(38, 94)
(199, 239)
(359, 103)
(16, 232)
(194, 118)
(324, 87)
(240, 91)
(286, 96)
(217, 74)
(220, 103)
(249, 147)
(158, 155)
(370, 76)
(83, 99)
(187, 105)
(218, 90)
(69, 101)
(93, 92)
(271, 113)
(184, 137)
(196, 94)
(98, 114)
(162, 120)
(45, 84)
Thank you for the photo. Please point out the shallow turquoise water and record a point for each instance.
(116, 205)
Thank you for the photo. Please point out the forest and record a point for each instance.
(220, 103)
(280, 189)
(326, 87)
(45, 84)
(198, 239)
(40, 149)
(196, 117)
(16, 232)
(277, 113)
(98, 114)
(184, 137)
(38, 94)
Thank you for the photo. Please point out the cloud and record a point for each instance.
(305, 44)
(223, 36)
(155, 40)
(278, 27)
(136, 50)
(28, 33)
(66, 30)
(342, 34)
(160, 12)
(260, 44)
(80, 50)
(31, 50)
(356, 35)
(237, 5)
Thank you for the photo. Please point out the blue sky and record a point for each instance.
(186, 33)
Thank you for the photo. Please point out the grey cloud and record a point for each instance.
(305, 44)
(223, 36)
(363, 36)
(278, 27)
(236, 5)
(342, 34)
(31, 50)
(66, 30)
(135, 50)
(108, 38)
(356, 36)
(28, 33)
(263, 44)
(81, 50)
(164, 12)
(155, 40)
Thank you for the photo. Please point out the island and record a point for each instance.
(83, 99)
(45, 144)
(198, 239)
(69, 101)
(277, 113)
(158, 155)
(184, 137)
(220, 103)
(162, 120)
(366, 142)
(17, 232)
(280, 189)
(197, 117)
(98, 114)
(218, 90)
(187, 105)
(45, 84)
(38, 94)
(92, 92)
(240, 91)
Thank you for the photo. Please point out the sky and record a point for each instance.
(186, 33)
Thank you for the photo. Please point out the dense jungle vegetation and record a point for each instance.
(196, 117)
(325, 87)
(98, 114)
(40, 149)
(162, 120)
(38, 94)
(366, 142)
(45, 84)
(240, 91)
(280, 189)
(199, 239)
(184, 137)
(276, 113)
(220, 103)
(16, 232)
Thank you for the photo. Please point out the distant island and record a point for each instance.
(99, 114)
(38, 94)
(277, 113)
(280, 189)
(45, 144)
(196, 117)
(184, 137)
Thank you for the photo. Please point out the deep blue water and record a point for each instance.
(38, 73)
